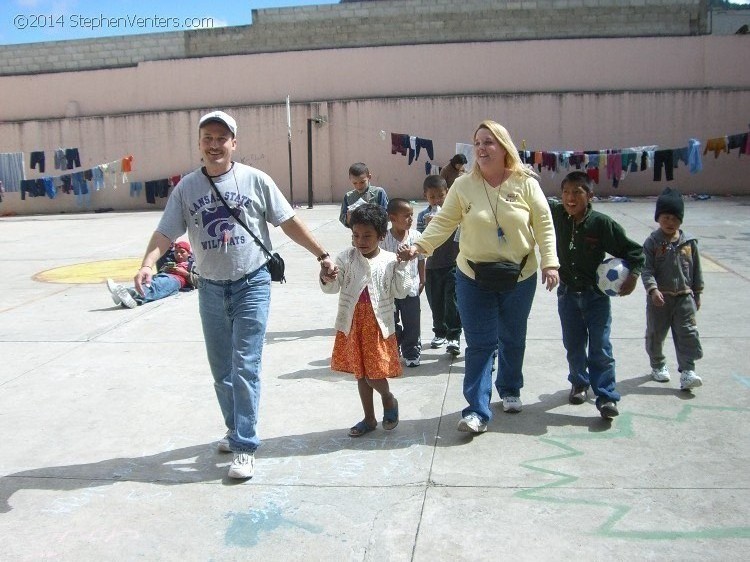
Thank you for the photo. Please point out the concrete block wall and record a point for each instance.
(386, 22)
(90, 54)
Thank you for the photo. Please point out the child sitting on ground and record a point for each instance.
(172, 277)
(674, 282)
(368, 280)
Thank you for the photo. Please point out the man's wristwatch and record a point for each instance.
(321, 257)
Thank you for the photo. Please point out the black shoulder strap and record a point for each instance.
(235, 214)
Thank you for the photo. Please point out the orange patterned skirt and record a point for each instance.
(364, 352)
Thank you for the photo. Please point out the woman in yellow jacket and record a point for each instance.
(503, 215)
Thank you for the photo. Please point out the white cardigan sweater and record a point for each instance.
(385, 278)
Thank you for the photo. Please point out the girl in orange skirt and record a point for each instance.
(368, 279)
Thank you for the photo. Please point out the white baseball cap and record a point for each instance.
(220, 117)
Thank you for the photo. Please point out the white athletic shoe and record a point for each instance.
(472, 423)
(661, 374)
(688, 380)
(512, 404)
(243, 466)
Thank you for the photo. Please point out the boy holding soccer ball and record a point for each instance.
(583, 238)
(674, 282)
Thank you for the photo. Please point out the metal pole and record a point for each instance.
(289, 136)
(291, 183)
(309, 164)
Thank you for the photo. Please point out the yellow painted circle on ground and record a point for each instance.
(121, 270)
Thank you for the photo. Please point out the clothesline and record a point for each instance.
(616, 161)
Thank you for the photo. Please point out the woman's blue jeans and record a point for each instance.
(234, 315)
(586, 319)
(493, 322)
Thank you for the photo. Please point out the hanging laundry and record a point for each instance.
(399, 143)
(135, 188)
(694, 156)
(614, 167)
(11, 170)
(81, 190)
(737, 141)
(73, 158)
(663, 158)
(718, 144)
(593, 174)
(427, 145)
(37, 159)
(60, 162)
(98, 177)
(126, 166)
(49, 187)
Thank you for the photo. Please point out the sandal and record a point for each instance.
(360, 429)
(390, 416)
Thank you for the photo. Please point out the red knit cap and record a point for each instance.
(184, 244)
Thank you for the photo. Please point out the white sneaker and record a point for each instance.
(688, 380)
(126, 299)
(453, 347)
(223, 444)
(437, 341)
(472, 423)
(661, 374)
(243, 466)
(112, 286)
(512, 404)
(412, 362)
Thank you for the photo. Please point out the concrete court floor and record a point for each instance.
(109, 423)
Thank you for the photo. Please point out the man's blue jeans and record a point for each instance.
(162, 285)
(586, 319)
(493, 322)
(234, 315)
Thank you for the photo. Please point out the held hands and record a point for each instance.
(328, 270)
(406, 253)
(629, 285)
(550, 278)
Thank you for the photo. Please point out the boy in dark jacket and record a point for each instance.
(674, 282)
(583, 238)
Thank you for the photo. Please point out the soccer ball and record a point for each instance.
(610, 276)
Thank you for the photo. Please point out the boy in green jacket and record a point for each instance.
(583, 238)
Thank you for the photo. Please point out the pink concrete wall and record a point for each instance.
(571, 94)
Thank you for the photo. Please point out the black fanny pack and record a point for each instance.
(499, 276)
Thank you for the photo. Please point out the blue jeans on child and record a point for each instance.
(234, 315)
(586, 319)
(493, 322)
(162, 285)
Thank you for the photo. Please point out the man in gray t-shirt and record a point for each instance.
(235, 287)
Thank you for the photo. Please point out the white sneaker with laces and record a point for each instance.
(661, 374)
(512, 404)
(472, 423)
(126, 299)
(453, 347)
(223, 445)
(112, 286)
(412, 362)
(688, 380)
(437, 341)
(243, 466)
